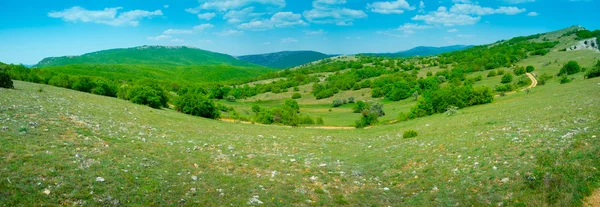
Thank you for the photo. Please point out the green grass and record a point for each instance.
(483, 156)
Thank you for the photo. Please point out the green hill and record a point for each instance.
(285, 59)
(168, 63)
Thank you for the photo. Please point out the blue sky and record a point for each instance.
(31, 30)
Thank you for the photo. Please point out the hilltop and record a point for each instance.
(285, 59)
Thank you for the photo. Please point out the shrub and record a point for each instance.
(565, 79)
(370, 115)
(492, 73)
(400, 91)
(105, 88)
(256, 108)
(63, 81)
(504, 88)
(529, 68)
(84, 84)
(293, 104)
(593, 73)
(410, 134)
(5, 81)
(570, 68)
(500, 72)
(336, 103)
(351, 99)
(542, 79)
(451, 111)
(523, 80)
(320, 121)
(197, 105)
(519, 71)
(148, 93)
(230, 98)
(359, 107)
(507, 78)
(296, 96)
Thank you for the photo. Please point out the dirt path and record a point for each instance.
(593, 200)
(534, 81)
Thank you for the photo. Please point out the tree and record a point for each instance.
(519, 71)
(570, 68)
(400, 91)
(293, 104)
(84, 84)
(197, 105)
(256, 108)
(507, 78)
(5, 81)
(296, 96)
(492, 73)
(336, 102)
(63, 81)
(148, 93)
(530, 68)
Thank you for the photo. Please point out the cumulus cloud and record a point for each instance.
(279, 19)
(314, 32)
(227, 5)
(107, 16)
(206, 16)
(203, 27)
(238, 16)
(177, 32)
(452, 30)
(533, 14)
(390, 7)
(464, 14)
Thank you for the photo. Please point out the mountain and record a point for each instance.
(166, 63)
(422, 51)
(147, 55)
(285, 59)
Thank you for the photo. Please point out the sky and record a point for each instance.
(31, 30)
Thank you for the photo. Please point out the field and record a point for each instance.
(62, 147)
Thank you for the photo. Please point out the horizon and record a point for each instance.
(247, 27)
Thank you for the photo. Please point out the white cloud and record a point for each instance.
(471, 9)
(177, 40)
(177, 31)
(166, 6)
(202, 27)
(518, 1)
(288, 40)
(325, 4)
(533, 14)
(238, 16)
(461, 1)
(107, 16)
(405, 30)
(204, 41)
(421, 7)
(314, 32)
(230, 32)
(389, 7)
(206, 16)
(227, 5)
(464, 14)
(466, 36)
(452, 30)
(279, 19)
(339, 16)
(443, 17)
(160, 37)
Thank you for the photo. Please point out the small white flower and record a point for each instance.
(99, 179)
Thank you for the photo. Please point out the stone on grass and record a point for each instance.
(99, 179)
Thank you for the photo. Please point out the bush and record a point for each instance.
(410, 134)
(492, 73)
(83, 84)
(296, 96)
(507, 78)
(542, 79)
(63, 81)
(293, 104)
(5, 81)
(351, 99)
(336, 103)
(400, 91)
(105, 88)
(500, 72)
(359, 107)
(256, 108)
(570, 68)
(565, 79)
(370, 115)
(320, 121)
(593, 73)
(230, 98)
(505, 88)
(197, 105)
(523, 80)
(148, 93)
(529, 68)
(519, 71)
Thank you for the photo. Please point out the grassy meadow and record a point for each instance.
(62, 147)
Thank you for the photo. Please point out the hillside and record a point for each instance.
(285, 59)
(421, 51)
(164, 63)
(147, 55)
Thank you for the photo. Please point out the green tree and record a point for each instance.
(63, 81)
(570, 68)
(530, 68)
(83, 83)
(197, 105)
(507, 78)
(5, 81)
(148, 93)
(293, 104)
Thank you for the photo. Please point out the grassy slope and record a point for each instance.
(149, 156)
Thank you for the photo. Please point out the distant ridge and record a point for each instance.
(284, 59)
(422, 51)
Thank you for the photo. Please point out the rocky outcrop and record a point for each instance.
(587, 44)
